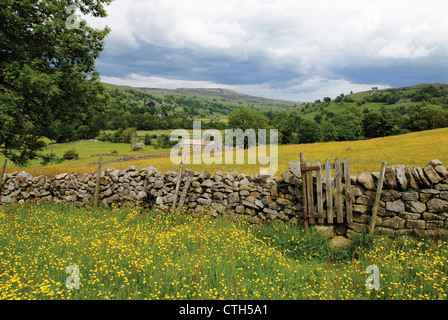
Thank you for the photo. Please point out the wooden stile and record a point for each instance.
(313, 198)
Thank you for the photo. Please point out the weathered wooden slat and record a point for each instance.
(348, 193)
(3, 173)
(304, 183)
(329, 192)
(323, 166)
(320, 201)
(310, 192)
(306, 168)
(338, 183)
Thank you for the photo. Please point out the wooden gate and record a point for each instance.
(327, 206)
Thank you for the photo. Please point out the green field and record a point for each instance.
(84, 148)
(412, 149)
(132, 254)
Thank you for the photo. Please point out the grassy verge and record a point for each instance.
(130, 254)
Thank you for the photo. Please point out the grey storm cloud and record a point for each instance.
(278, 48)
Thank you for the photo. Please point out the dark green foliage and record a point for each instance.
(244, 118)
(116, 137)
(328, 130)
(389, 97)
(48, 83)
(308, 132)
(148, 140)
(348, 126)
(70, 154)
(425, 116)
(50, 158)
(339, 98)
(164, 142)
(127, 135)
(378, 124)
(349, 122)
(428, 93)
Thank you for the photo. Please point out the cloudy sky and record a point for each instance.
(287, 49)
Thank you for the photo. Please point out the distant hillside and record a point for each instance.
(213, 102)
(233, 95)
(397, 99)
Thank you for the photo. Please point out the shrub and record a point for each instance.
(164, 142)
(127, 135)
(148, 140)
(70, 154)
(50, 158)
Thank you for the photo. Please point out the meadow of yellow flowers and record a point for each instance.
(134, 254)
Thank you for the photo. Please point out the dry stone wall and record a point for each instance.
(414, 200)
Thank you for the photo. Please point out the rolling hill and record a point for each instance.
(399, 99)
(212, 102)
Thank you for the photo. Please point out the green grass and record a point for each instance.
(84, 148)
(131, 254)
(142, 133)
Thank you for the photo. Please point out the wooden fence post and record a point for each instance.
(98, 178)
(3, 173)
(179, 179)
(338, 183)
(348, 192)
(310, 192)
(304, 183)
(377, 198)
(184, 194)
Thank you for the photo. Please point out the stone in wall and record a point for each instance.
(366, 180)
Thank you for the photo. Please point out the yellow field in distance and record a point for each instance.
(413, 149)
